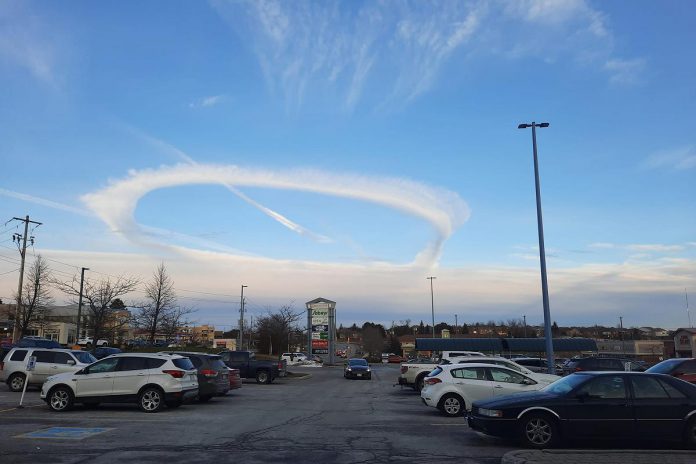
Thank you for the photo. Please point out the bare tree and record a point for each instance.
(274, 329)
(36, 297)
(160, 303)
(102, 317)
(172, 321)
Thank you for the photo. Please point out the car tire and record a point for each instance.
(91, 405)
(205, 399)
(420, 383)
(538, 430)
(452, 405)
(151, 399)
(263, 377)
(60, 399)
(690, 433)
(16, 382)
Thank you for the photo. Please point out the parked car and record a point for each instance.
(534, 364)
(213, 375)
(593, 364)
(413, 372)
(453, 388)
(608, 405)
(357, 368)
(681, 368)
(49, 361)
(510, 364)
(235, 378)
(251, 368)
(104, 351)
(89, 341)
(395, 358)
(37, 342)
(149, 379)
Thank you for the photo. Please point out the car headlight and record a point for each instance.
(368, 369)
(348, 369)
(490, 412)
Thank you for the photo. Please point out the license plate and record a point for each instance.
(359, 375)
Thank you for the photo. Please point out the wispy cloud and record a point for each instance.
(602, 245)
(43, 202)
(206, 102)
(443, 209)
(679, 159)
(398, 51)
(25, 41)
(641, 247)
(625, 71)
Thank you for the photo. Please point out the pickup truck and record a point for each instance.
(413, 372)
(251, 368)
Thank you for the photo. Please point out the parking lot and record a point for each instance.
(323, 418)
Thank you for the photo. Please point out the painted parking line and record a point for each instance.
(74, 419)
(65, 433)
(25, 406)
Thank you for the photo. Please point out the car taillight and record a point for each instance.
(432, 380)
(578, 369)
(208, 372)
(174, 373)
(404, 369)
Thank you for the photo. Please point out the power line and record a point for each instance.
(9, 272)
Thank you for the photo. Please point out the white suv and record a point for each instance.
(48, 362)
(149, 379)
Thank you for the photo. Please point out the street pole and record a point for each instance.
(79, 304)
(542, 252)
(524, 317)
(623, 346)
(432, 302)
(241, 319)
(456, 324)
(16, 333)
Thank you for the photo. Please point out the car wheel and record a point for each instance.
(420, 383)
(16, 382)
(538, 431)
(263, 377)
(690, 433)
(60, 399)
(91, 405)
(452, 405)
(151, 399)
(205, 399)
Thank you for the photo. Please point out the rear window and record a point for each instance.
(216, 362)
(44, 356)
(435, 372)
(183, 363)
(18, 355)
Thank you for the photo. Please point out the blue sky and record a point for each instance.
(350, 149)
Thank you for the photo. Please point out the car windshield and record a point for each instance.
(84, 357)
(565, 384)
(665, 366)
(216, 363)
(357, 362)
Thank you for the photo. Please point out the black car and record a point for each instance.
(357, 368)
(104, 351)
(613, 405)
(593, 364)
(213, 374)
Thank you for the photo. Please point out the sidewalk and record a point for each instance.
(599, 457)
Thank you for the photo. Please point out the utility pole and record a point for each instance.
(542, 252)
(241, 319)
(688, 314)
(79, 304)
(623, 347)
(432, 301)
(456, 323)
(524, 318)
(23, 252)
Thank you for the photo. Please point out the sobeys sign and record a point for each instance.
(320, 316)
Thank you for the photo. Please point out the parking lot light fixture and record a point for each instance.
(542, 253)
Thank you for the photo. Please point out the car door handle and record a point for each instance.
(141, 374)
(54, 367)
(497, 386)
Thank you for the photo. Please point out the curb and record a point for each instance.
(597, 456)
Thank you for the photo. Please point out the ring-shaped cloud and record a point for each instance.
(443, 209)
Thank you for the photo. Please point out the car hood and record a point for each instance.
(516, 399)
(65, 376)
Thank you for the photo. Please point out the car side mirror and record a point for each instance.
(71, 362)
(528, 382)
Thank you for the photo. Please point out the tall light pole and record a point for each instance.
(524, 317)
(241, 319)
(621, 335)
(542, 253)
(432, 301)
(456, 324)
(79, 304)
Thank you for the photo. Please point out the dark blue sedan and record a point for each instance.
(357, 368)
(623, 405)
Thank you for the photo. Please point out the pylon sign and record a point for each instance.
(321, 327)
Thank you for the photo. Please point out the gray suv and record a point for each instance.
(49, 362)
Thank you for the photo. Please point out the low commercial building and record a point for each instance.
(685, 343)
(645, 350)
